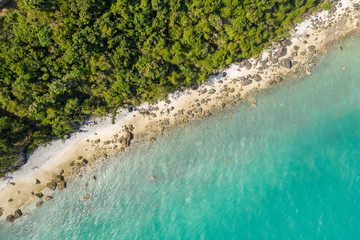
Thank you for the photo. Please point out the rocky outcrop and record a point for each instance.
(61, 185)
(126, 139)
(52, 185)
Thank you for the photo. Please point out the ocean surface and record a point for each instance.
(288, 169)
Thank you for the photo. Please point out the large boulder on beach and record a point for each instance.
(39, 195)
(248, 65)
(287, 42)
(18, 214)
(212, 91)
(280, 53)
(246, 82)
(1, 211)
(10, 218)
(257, 78)
(287, 63)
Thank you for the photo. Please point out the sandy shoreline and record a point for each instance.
(296, 55)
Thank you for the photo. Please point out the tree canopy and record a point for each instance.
(61, 60)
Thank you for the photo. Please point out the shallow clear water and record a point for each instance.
(289, 169)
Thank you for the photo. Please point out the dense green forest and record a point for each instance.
(62, 60)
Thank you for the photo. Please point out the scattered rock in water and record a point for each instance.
(93, 178)
(62, 185)
(18, 214)
(39, 204)
(10, 218)
(48, 198)
(253, 105)
(152, 139)
(37, 181)
(344, 68)
(207, 113)
(340, 49)
(85, 186)
(39, 195)
(287, 63)
(86, 197)
(153, 178)
(212, 91)
(52, 185)
(257, 78)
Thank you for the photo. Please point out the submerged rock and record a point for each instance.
(86, 197)
(40, 203)
(10, 218)
(48, 198)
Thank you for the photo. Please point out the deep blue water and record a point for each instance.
(288, 169)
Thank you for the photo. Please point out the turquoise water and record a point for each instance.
(289, 169)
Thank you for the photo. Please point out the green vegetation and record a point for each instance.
(326, 6)
(62, 60)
